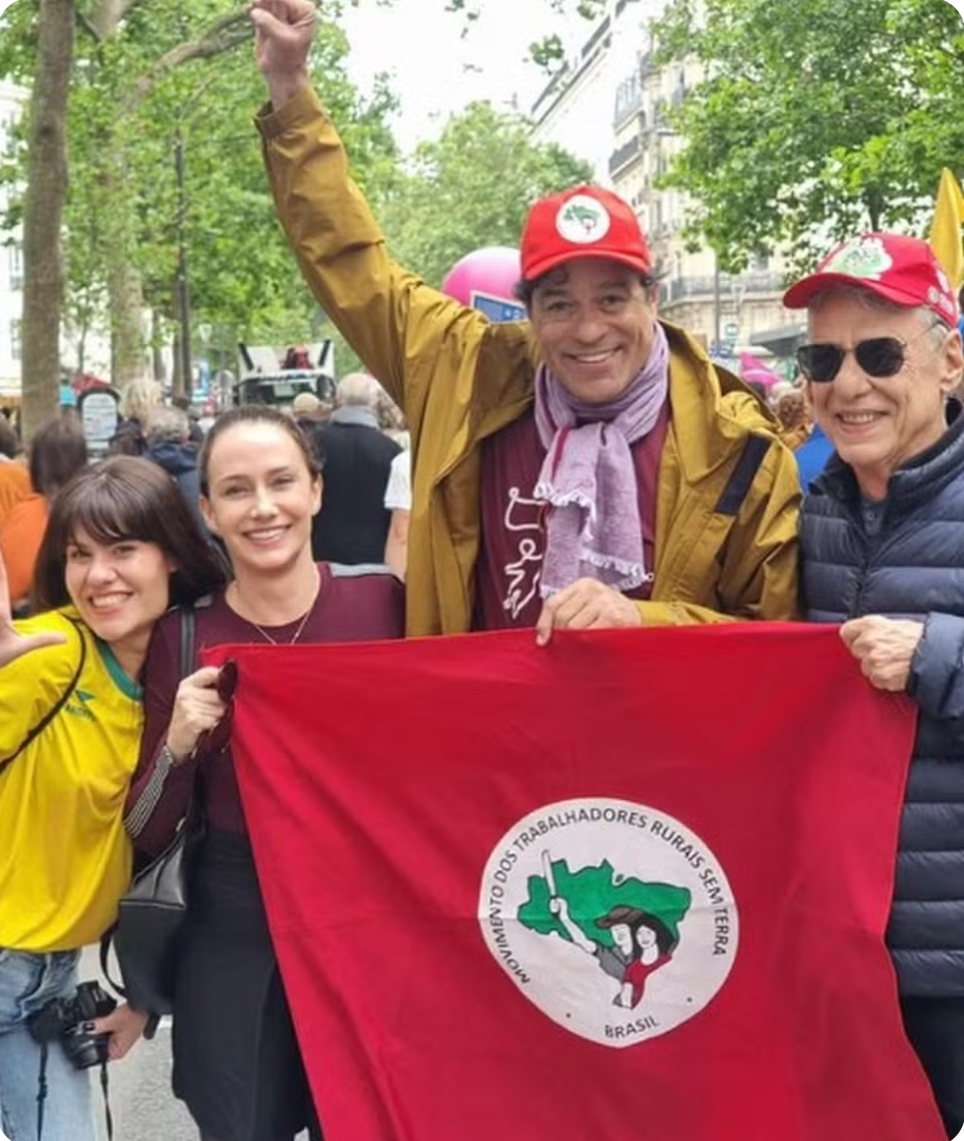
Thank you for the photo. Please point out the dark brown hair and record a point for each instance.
(256, 414)
(57, 452)
(525, 290)
(125, 497)
(9, 443)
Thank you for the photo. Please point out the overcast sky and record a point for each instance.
(435, 70)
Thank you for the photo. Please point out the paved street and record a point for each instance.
(141, 1101)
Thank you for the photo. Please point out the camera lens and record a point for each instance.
(84, 1049)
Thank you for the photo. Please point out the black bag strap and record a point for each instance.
(187, 641)
(743, 474)
(185, 667)
(58, 704)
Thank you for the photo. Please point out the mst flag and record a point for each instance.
(632, 885)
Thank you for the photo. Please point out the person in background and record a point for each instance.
(882, 544)
(209, 413)
(352, 525)
(119, 548)
(236, 1059)
(195, 432)
(14, 477)
(398, 500)
(309, 411)
(812, 455)
(138, 400)
(169, 446)
(524, 432)
(792, 412)
(57, 452)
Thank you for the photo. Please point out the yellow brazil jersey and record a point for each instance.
(65, 859)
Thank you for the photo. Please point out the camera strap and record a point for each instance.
(41, 1090)
(108, 1118)
(42, 1095)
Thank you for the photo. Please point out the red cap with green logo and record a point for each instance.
(900, 269)
(585, 221)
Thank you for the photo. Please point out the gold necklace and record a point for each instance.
(301, 625)
(274, 642)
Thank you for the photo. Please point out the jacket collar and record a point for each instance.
(354, 414)
(712, 410)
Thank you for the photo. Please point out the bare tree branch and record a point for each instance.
(88, 27)
(108, 15)
(226, 33)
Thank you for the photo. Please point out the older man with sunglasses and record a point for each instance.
(883, 553)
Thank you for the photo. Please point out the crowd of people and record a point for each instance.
(587, 468)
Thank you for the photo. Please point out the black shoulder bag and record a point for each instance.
(151, 913)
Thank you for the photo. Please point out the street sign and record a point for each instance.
(497, 309)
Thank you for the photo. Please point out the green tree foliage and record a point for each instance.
(471, 188)
(816, 119)
(170, 74)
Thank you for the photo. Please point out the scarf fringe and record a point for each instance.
(574, 498)
(634, 574)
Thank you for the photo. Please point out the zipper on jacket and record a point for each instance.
(871, 547)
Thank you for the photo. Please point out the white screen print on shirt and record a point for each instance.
(523, 518)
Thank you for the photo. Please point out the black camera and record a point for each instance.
(67, 1019)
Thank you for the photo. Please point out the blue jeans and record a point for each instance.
(27, 983)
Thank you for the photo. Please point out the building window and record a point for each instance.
(760, 263)
(15, 262)
(8, 131)
(15, 343)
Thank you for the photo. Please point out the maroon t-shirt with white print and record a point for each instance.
(513, 521)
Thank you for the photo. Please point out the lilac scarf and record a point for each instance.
(594, 529)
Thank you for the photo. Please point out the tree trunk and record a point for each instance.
(127, 333)
(43, 267)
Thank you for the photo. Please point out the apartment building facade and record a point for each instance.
(610, 104)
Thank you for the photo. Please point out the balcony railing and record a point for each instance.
(741, 284)
(625, 154)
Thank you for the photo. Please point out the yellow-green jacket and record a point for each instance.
(460, 379)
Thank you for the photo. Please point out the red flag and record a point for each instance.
(630, 885)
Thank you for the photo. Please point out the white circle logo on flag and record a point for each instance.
(582, 220)
(613, 918)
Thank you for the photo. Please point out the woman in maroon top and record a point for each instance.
(236, 1059)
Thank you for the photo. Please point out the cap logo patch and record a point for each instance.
(861, 257)
(582, 220)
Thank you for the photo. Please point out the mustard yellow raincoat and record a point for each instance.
(460, 378)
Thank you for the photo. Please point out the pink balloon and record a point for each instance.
(493, 270)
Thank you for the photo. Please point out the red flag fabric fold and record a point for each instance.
(633, 884)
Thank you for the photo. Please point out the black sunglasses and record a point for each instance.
(877, 356)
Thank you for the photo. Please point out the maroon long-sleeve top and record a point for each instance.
(352, 606)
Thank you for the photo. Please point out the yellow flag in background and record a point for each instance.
(945, 236)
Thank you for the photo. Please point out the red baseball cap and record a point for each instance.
(585, 221)
(900, 269)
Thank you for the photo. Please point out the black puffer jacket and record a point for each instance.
(909, 562)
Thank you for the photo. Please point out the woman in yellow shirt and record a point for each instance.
(119, 549)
